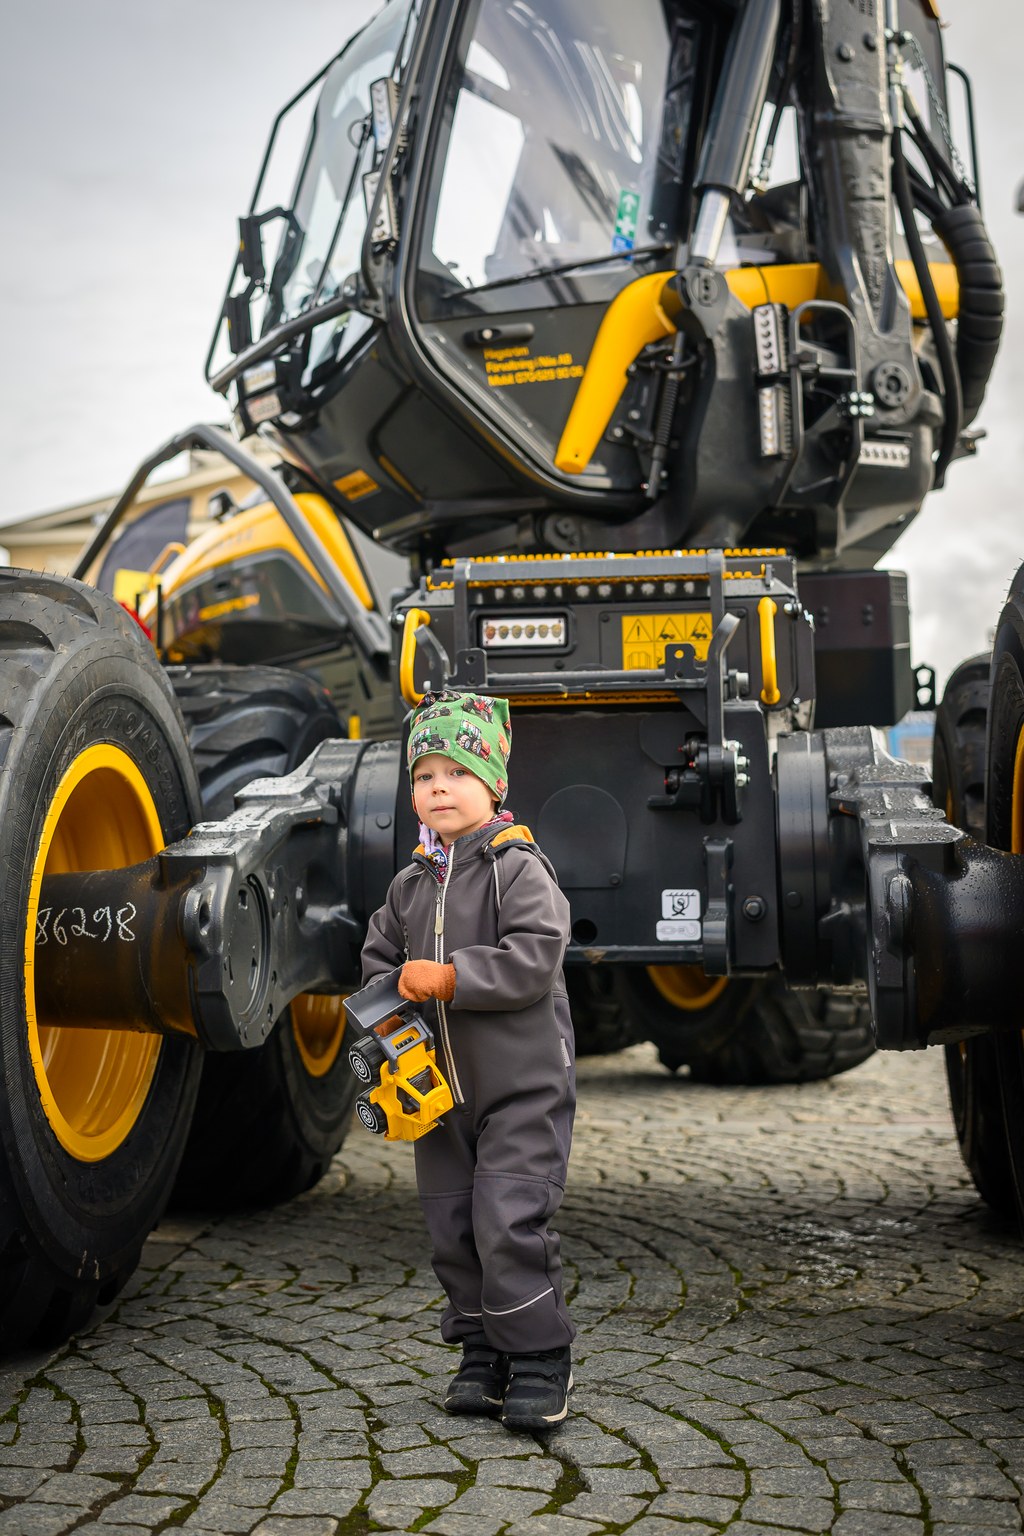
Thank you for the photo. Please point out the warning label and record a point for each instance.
(356, 485)
(514, 365)
(678, 930)
(645, 637)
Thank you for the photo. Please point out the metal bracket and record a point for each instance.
(717, 929)
(368, 627)
(879, 890)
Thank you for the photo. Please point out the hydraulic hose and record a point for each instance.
(962, 230)
(933, 309)
(980, 320)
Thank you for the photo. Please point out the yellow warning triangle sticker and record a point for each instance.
(643, 629)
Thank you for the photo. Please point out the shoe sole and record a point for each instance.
(483, 1408)
(537, 1422)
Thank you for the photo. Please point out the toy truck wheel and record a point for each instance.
(95, 774)
(1004, 823)
(745, 1033)
(267, 1121)
(972, 1072)
(371, 1115)
(366, 1058)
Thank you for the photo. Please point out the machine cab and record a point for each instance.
(533, 284)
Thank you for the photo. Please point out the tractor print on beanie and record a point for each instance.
(475, 705)
(473, 731)
(470, 740)
(427, 741)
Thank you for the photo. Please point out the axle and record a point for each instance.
(879, 891)
(218, 933)
(832, 866)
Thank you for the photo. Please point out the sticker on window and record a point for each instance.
(625, 220)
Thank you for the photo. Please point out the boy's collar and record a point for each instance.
(499, 827)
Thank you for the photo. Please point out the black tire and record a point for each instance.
(972, 1071)
(686, 1029)
(265, 1127)
(975, 1100)
(371, 1116)
(958, 751)
(248, 723)
(600, 1023)
(752, 1032)
(267, 1121)
(86, 1161)
(790, 1037)
(366, 1058)
(1004, 824)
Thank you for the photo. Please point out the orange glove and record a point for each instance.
(421, 979)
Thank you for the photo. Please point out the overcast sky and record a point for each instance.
(131, 137)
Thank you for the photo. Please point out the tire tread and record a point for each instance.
(263, 1130)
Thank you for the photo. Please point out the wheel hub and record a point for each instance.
(92, 1083)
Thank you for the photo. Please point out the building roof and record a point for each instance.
(205, 468)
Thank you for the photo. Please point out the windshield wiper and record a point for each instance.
(562, 267)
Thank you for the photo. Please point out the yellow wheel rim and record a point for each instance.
(92, 1082)
(318, 1023)
(687, 986)
(1017, 803)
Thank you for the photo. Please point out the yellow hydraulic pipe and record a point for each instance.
(633, 320)
(639, 315)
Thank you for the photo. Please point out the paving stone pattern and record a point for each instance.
(794, 1315)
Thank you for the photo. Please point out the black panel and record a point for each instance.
(861, 646)
(597, 753)
(565, 829)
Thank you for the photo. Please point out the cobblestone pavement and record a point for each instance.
(794, 1315)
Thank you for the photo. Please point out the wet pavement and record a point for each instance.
(794, 1315)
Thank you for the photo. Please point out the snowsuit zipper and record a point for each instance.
(442, 1013)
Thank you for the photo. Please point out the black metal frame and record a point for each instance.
(368, 627)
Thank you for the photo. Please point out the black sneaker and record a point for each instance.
(538, 1389)
(478, 1386)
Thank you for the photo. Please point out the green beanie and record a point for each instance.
(472, 730)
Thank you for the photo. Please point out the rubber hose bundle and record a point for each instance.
(980, 320)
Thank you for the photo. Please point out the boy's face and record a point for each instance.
(448, 798)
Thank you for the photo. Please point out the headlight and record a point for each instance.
(534, 631)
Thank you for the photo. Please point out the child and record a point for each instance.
(481, 927)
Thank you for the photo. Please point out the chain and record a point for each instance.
(910, 42)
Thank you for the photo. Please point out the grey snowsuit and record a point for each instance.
(493, 1173)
